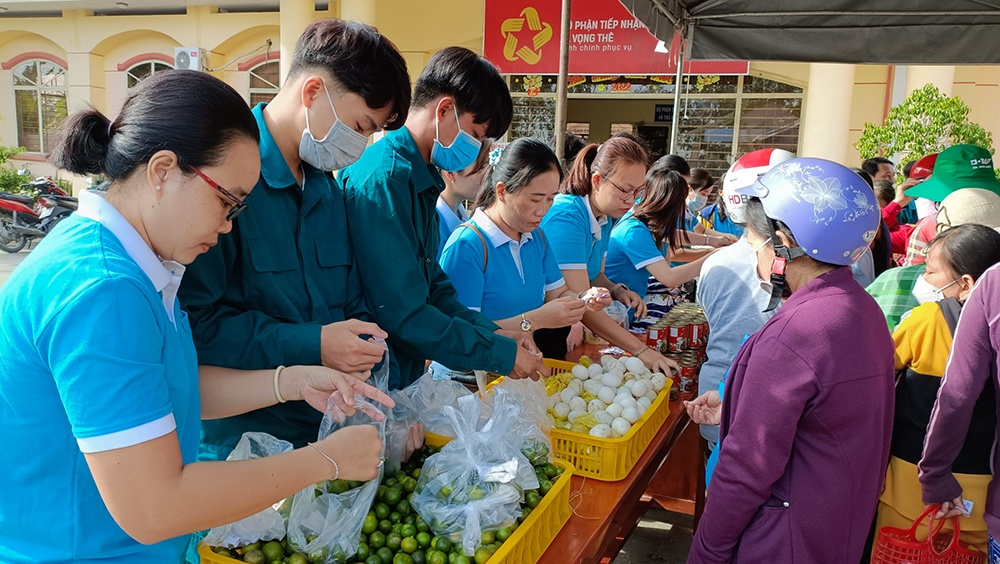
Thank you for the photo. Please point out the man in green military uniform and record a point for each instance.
(459, 100)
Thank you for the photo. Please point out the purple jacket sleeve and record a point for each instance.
(771, 397)
(968, 371)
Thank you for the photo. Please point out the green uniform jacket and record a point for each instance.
(391, 195)
(259, 298)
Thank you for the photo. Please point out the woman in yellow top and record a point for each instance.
(955, 260)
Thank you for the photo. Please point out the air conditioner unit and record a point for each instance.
(189, 58)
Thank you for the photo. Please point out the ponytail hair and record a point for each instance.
(604, 159)
(662, 208)
(192, 114)
(521, 162)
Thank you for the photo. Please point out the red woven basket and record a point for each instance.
(900, 546)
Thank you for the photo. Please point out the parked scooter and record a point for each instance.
(23, 218)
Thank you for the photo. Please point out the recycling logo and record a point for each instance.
(512, 49)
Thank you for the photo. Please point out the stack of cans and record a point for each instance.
(681, 335)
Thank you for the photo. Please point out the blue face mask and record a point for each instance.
(460, 154)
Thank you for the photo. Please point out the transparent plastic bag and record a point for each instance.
(427, 397)
(325, 525)
(475, 483)
(533, 425)
(618, 312)
(266, 525)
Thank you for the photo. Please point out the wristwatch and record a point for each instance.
(525, 324)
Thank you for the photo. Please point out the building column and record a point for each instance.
(294, 17)
(942, 76)
(827, 113)
(358, 10)
(85, 82)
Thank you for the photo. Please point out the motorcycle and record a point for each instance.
(23, 218)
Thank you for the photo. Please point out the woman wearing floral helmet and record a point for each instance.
(807, 416)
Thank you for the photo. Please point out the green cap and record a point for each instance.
(958, 166)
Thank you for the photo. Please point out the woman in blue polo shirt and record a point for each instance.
(605, 182)
(641, 240)
(460, 187)
(101, 395)
(500, 262)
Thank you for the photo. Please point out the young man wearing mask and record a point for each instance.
(282, 288)
(459, 102)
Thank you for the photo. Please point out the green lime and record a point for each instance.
(532, 499)
(395, 517)
(385, 555)
(487, 537)
(504, 534)
(408, 545)
(377, 539)
(436, 557)
(298, 558)
(319, 555)
(393, 541)
(363, 552)
(222, 551)
(391, 482)
(462, 559)
(525, 511)
(382, 510)
(372, 559)
(482, 555)
(337, 486)
(422, 525)
(396, 528)
(544, 487)
(443, 544)
(550, 469)
(408, 530)
(255, 556)
(409, 485)
(385, 526)
(273, 551)
(380, 492)
(392, 496)
(419, 557)
(403, 507)
(423, 539)
(416, 474)
(445, 492)
(452, 557)
(402, 558)
(410, 519)
(560, 470)
(370, 524)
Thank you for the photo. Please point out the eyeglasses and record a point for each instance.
(238, 204)
(631, 194)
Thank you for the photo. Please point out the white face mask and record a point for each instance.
(764, 284)
(340, 147)
(697, 203)
(925, 292)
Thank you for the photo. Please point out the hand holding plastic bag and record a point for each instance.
(266, 525)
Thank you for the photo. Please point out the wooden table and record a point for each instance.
(606, 513)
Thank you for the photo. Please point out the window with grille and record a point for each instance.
(534, 116)
(40, 103)
(137, 73)
(264, 80)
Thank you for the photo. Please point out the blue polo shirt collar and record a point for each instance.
(595, 224)
(495, 234)
(425, 176)
(452, 217)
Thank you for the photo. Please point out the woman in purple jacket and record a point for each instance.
(807, 416)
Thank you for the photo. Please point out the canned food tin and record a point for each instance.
(677, 337)
(653, 337)
(695, 335)
(688, 378)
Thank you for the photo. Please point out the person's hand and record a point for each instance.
(320, 386)
(357, 450)
(705, 409)
(414, 440)
(560, 312)
(342, 348)
(719, 241)
(597, 298)
(629, 299)
(901, 198)
(656, 362)
(953, 508)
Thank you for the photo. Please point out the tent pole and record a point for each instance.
(678, 84)
(562, 84)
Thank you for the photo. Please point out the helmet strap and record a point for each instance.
(783, 256)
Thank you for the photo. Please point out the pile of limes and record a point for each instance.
(393, 533)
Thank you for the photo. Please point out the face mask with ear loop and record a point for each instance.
(783, 256)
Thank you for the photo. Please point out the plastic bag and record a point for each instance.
(326, 525)
(476, 482)
(534, 425)
(426, 399)
(618, 312)
(266, 525)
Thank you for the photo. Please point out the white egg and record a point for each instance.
(552, 400)
(630, 414)
(614, 409)
(619, 365)
(575, 385)
(639, 388)
(633, 364)
(567, 395)
(595, 405)
(620, 425)
(659, 381)
(651, 395)
(606, 394)
(644, 402)
(592, 386)
(573, 414)
(627, 403)
(622, 396)
(606, 360)
(611, 379)
(601, 430)
(562, 410)
(595, 370)
(604, 417)
(578, 404)
(615, 434)
(580, 371)
(618, 371)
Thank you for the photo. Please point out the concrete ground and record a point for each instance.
(8, 261)
(662, 537)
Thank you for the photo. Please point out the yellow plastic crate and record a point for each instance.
(608, 460)
(525, 545)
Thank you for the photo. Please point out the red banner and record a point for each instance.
(522, 37)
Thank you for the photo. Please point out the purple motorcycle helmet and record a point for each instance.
(831, 211)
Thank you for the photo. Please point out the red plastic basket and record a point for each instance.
(898, 546)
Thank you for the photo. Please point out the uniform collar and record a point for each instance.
(424, 176)
(164, 274)
(452, 217)
(496, 235)
(595, 224)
